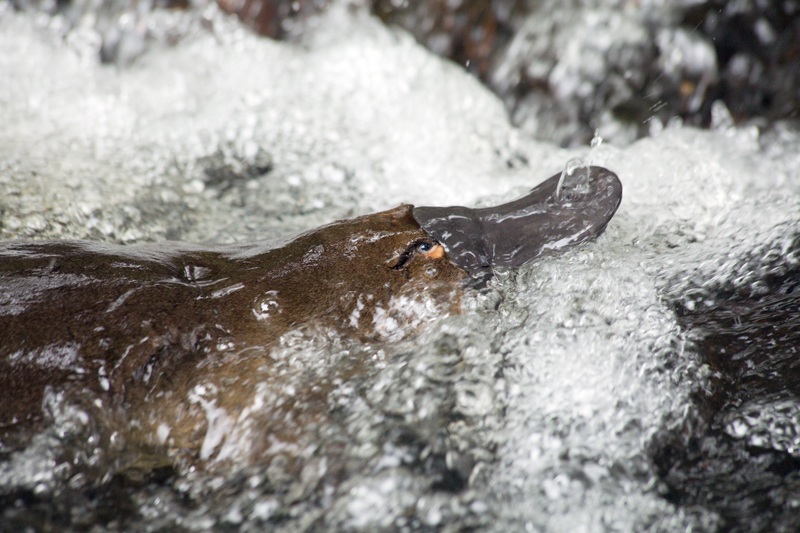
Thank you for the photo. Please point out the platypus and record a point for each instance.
(171, 346)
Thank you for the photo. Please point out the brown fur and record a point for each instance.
(157, 341)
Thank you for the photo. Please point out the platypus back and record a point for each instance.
(158, 334)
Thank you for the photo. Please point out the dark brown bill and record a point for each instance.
(563, 211)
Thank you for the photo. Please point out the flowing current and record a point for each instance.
(556, 402)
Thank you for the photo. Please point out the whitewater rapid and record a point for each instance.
(544, 398)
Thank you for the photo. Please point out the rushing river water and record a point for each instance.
(643, 381)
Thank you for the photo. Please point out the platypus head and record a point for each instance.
(379, 274)
(382, 274)
(564, 210)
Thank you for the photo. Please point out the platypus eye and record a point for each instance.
(430, 249)
(423, 247)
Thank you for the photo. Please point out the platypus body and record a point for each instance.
(172, 347)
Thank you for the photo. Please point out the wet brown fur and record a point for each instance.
(154, 337)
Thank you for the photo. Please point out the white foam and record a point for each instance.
(361, 119)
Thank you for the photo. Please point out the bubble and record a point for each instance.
(267, 305)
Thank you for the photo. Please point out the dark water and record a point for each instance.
(743, 458)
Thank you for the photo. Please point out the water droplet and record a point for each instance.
(574, 180)
(597, 140)
(266, 305)
(721, 118)
(225, 345)
(196, 272)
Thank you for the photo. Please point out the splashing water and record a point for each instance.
(543, 407)
(597, 140)
(574, 178)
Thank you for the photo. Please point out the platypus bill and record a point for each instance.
(170, 347)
